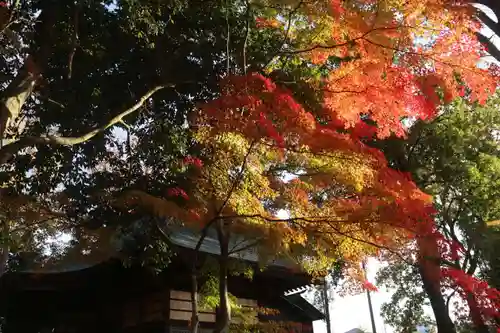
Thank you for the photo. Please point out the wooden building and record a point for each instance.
(107, 297)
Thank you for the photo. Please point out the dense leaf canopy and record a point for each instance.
(258, 118)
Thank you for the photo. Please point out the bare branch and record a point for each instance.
(38, 223)
(10, 20)
(237, 249)
(203, 235)
(448, 299)
(8, 150)
(75, 40)
(247, 32)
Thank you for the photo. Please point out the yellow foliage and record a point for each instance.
(245, 181)
(308, 191)
(493, 223)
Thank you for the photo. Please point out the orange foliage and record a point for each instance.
(366, 204)
(405, 58)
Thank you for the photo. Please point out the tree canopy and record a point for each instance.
(257, 118)
(455, 159)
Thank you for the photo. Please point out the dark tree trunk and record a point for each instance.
(224, 311)
(4, 246)
(433, 290)
(16, 95)
(474, 310)
(475, 314)
(13, 98)
(195, 322)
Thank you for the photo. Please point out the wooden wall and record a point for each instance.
(172, 307)
(181, 306)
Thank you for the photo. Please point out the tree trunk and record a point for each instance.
(475, 314)
(429, 267)
(224, 311)
(16, 94)
(20, 89)
(433, 290)
(4, 255)
(4, 258)
(195, 322)
(474, 310)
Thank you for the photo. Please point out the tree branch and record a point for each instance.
(229, 194)
(309, 219)
(485, 19)
(237, 249)
(287, 31)
(428, 56)
(448, 299)
(10, 20)
(492, 49)
(53, 216)
(247, 33)
(346, 43)
(165, 237)
(8, 150)
(75, 40)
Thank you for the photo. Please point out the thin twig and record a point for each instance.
(287, 31)
(346, 43)
(246, 247)
(56, 103)
(228, 39)
(75, 40)
(10, 20)
(245, 41)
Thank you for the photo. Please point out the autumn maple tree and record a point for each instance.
(280, 155)
(337, 203)
(403, 60)
(454, 158)
(264, 151)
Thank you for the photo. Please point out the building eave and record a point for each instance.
(294, 297)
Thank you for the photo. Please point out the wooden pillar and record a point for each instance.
(166, 309)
